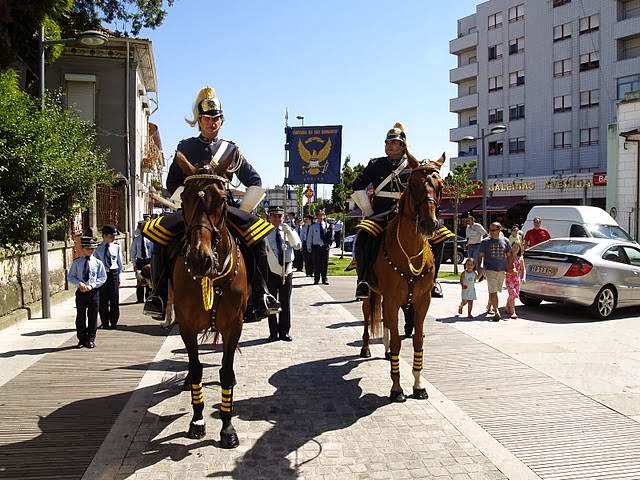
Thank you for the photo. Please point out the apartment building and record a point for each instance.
(551, 71)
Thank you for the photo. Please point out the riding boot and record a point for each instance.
(154, 305)
(266, 304)
(363, 264)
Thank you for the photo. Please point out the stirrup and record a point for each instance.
(154, 307)
(362, 291)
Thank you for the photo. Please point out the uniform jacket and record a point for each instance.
(116, 255)
(136, 247)
(374, 173)
(97, 273)
(291, 242)
(314, 236)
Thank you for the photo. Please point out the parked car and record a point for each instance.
(348, 243)
(601, 274)
(447, 250)
(576, 221)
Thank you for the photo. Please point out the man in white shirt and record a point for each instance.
(475, 233)
(281, 243)
(337, 232)
(110, 254)
(319, 243)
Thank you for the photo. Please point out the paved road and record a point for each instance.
(551, 395)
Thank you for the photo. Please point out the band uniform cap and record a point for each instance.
(397, 133)
(208, 104)
(109, 230)
(88, 242)
(275, 210)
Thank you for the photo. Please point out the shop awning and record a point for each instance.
(500, 204)
(447, 208)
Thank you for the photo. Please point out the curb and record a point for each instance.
(32, 310)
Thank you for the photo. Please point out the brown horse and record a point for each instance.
(405, 271)
(210, 287)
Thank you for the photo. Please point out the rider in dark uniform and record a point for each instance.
(249, 229)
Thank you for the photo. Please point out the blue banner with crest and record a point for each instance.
(314, 154)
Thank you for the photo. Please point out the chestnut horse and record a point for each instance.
(404, 268)
(210, 287)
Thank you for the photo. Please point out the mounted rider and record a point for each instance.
(167, 231)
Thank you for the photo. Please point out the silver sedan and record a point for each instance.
(602, 274)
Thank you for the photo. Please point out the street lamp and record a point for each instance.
(483, 164)
(634, 136)
(91, 38)
(301, 118)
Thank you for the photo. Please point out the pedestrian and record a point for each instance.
(474, 233)
(291, 219)
(441, 235)
(208, 149)
(306, 248)
(494, 253)
(281, 244)
(298, 256)
(110, 253)
(88, 273)
(516, 234)
(141, 251)
(319, 241)
(338, 227)
(535, 235)
(468, 280)
(515, 275)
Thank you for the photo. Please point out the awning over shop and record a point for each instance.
(500, 204)
(447, 208)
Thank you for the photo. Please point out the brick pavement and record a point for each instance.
(310, 409)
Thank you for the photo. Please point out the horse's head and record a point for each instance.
(204, 202)
(424, 191)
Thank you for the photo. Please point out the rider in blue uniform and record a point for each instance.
(208, 148)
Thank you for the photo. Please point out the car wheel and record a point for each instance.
(605, 303)
(460, 258)
(530, 301)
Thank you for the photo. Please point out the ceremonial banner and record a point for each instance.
(314, 154)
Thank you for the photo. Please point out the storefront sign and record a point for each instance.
(599, 178)
(567, 183)
(511, 186)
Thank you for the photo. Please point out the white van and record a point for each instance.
(576, 221)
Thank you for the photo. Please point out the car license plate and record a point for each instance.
(542, 270)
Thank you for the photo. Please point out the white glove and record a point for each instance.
(252, 197)
(361, 199)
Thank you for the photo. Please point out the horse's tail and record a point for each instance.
(375, 314)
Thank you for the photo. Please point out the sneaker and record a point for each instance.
(362, 291)
(496, 317)
(154, 307)
(80, 345)
(90, 344)
(514, 316)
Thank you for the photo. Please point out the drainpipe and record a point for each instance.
(130, 170)
(634, 136)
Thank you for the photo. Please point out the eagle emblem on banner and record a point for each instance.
(315, 159)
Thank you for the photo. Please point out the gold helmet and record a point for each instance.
(397, 133)
(206, 105)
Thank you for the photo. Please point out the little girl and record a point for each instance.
(468, 280)
(515, 274)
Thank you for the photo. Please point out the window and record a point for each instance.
(473, 120)
(495, 83)
(516, 46)
(560, 32)
(495, 52)
(472, 60)
(516, 13)
(627, 85)
(588, 136)
(495, 115)
(562, 68)
(630, 9)
(516, 78)
(473, 89)
(633, 254)
(81, 95)
(589, 24)
(516, 145)
(589, 61)
(557, 3)
(495, 147)
(562, 139)
(562, 103)
(578, 231)
(495, 20)
(629, 47)
(516, 112)
(589, 98)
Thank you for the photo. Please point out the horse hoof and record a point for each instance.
(397, 397)
(229, 440)
(420, 394)
(387, 355)
(365, 352)
(196, 431)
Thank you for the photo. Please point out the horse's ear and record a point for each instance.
(439, 162)
(184, 164)
(226, 161)
(411, 160)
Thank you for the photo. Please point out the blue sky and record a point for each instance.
(363, 64)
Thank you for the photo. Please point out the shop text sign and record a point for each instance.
(598, 179)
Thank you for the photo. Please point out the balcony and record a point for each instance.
(463, 103)
(463, 73)
(457, 134)
(455, 161)
(626, 28)
(463, 43)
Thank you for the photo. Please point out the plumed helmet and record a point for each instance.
(207, 104)
(397, 133)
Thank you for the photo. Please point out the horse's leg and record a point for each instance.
(420, 313)
(196, 426)
(386, 339)
(367, 311)
(390, 315)
(228, 436)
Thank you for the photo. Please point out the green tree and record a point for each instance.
(49, 152)
(458, 185)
